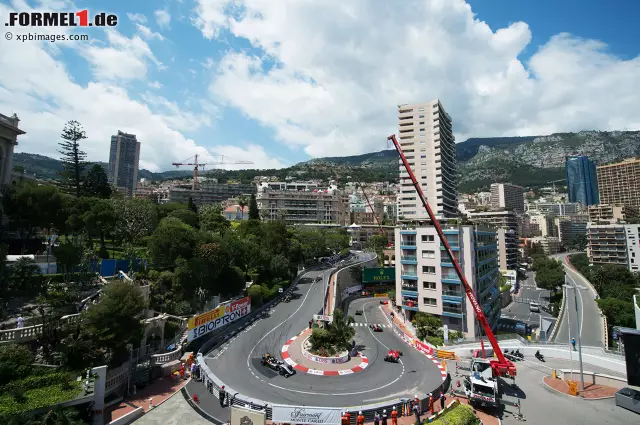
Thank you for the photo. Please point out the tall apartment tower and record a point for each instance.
(507, 196)
(426, 137)
(619, 183)
(582, 182)
(124, 156)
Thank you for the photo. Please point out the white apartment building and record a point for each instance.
(508, 244)
(427, 281)
(545, 223)
(508, 196)
(616, 244)
(426, 137)
(549, 244)
(612, 214)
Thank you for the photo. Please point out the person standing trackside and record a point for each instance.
(416, 411)
(222, 395)
(360, 418)
(345, 419)
(442, 400)
(376, 419)
(384, 417)
(394, 416)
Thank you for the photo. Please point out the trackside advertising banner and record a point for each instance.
(219, 317)
(305, 415)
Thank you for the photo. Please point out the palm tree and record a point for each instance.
(341, 331)
(243, 202)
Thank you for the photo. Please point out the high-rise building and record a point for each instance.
(605, 213)
(507, 196)
(582, 182)
(426, 137)
(616, 244)
(427, 281)
(507, 248)
(620, 183)
(506, 225)
(124, 157)
(9, 133)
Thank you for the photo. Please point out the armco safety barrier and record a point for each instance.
(213, 384)
(442, 354)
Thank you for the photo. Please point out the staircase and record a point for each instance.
(141, 374)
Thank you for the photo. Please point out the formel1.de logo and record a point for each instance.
(61, 19)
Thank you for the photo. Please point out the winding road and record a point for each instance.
(237, 363)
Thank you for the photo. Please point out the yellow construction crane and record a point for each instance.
(196, 165)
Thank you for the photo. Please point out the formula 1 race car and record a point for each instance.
(376, 328)
(279, 366)
(384, 302)
(359, 312)
(393, 356)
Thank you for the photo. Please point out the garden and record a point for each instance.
(336, 338)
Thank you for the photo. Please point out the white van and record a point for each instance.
(535, 307)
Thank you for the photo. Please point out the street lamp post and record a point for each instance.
(565, 287)
(575, 298)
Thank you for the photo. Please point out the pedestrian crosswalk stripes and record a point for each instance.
(369, 324)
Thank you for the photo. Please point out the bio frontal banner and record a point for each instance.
(219, 317)
(305, 415)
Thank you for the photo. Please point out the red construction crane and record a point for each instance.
(197, 164)
(382, 232)
(501, 366)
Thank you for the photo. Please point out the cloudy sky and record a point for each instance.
(278, 82)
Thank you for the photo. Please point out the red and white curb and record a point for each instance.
(287, 358)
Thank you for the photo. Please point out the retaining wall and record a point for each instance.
(129, 417)
(593, 378)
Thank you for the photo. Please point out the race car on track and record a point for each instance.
(278, 365)
(358, 312)
(393, 356)
(384, 302)
(376, 328)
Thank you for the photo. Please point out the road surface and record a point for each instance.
(237, 363)
(520, 310)
(587, 311)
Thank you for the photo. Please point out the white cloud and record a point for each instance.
(147, 33)
(155, 85)
(250, 152)
(124, 58)
(208, 63)
(38, 87)
(342, 67)
(163, 18)
(137, 17)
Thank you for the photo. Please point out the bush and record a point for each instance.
(322, 342)
(36, 381)
(36, 398)
(459, 415)
(434, 340)
(15, 362)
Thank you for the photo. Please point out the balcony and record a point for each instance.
(455, 294)
(411, 247)
(409, 276)
(409, 260)
(450, 311)
(406, 286)
(410, 304)
(407, 293)
(453, 247)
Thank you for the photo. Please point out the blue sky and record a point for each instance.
(282, 82)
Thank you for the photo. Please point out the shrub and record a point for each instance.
(37, 381)
(321, 342)
(434, 340)
(15, 362)
(459, 415)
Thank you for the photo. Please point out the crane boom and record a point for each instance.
(197, 164)
(502, 366)
(382, 232)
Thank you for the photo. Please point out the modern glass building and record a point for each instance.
(582, 180)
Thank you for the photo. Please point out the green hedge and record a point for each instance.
(36, 381)
(37, 398)
(459, 415)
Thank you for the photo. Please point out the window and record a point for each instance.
(422, 143)
(421, 110)
(428, 285)
(422, 122)
(428, 270)
(428, 238)
(429, 254)
(423, 156)
(454, 320)
(429, 301)
(423, 150)
(420, 116)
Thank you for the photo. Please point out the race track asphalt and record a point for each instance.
(237, 363)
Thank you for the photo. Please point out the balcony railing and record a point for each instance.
(452, 293)
(407, 287)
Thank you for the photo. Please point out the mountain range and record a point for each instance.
(530, 161)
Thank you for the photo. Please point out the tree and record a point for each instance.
(618, 312)
(254, 213)
(4, 274)
(378, 244)
(186, 216)
(171, 239)
(116, 320)
(23, 272)
(340, 331)
(15, 362)
(243, 202)
(68, 256)
(73, 158)
(426, 325)
(99, 221)
(215, 258)
(191, 205)
(212, 220)
(96, 183)
(135, 219)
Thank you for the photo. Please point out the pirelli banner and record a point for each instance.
(218, 317)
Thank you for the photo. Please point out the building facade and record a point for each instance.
(554, 208)
(507, 248)
(9, 133)
(549, 244)
(426, 137)
(616, 244)
(582, 181)
(569, 227)
(210, 193)
(507, 196)
(325, 206)
(360, 235)
(610, 214)
(427, 281)
(620, 183)
(124, 157)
